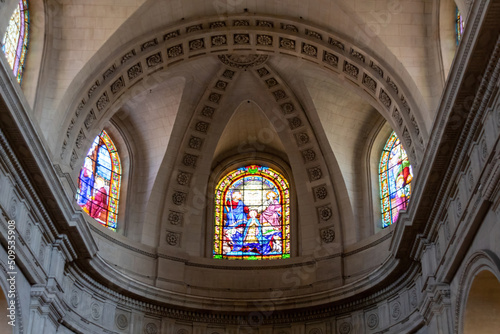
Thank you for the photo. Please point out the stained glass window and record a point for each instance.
(459, 25)
(99, 182)
(395, 174)
(252, 215)
(15, 40)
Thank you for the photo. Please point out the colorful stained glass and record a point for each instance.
(395, 175)
(15, 40)
(99, 182)
(459, 25)
(252, 215)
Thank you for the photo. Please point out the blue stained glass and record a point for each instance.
(395, 175)
(99, 182)
(252, 215)
(104, 163)
(15, 40)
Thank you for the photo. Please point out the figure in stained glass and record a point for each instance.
(252, 215)
(15, 40)
(99, 182)
(395, 180)
(236, 210)
(271, 213)
(86, 182)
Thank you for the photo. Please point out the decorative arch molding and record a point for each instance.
(243, 35)
(477, 262)
(286, 113)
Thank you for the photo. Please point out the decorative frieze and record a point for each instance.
(357, 55)
(134, 71)
(385, 99)
(207, 111)
(129, 55)
(194, 28)
(102, 102)
(286, 43)
(241, 39)
(175, 217)
(325, 213)
(175, 51)
(149, 44)
(93, 88)
(89, 120)
(309, 155)
(219, 40)
(286, 108)
(330, 59)
(184, 178)
(265, 40)
(327, 235)
(154, 60)
(117, 85)
(196, 44)
(309, 50)
(302, 138)
(320, 192)
(351, 69)
(315, 173)
(369, 83)
(109, 72)
(336, 44)
(178, 197)
(289, 27)
(171, 35)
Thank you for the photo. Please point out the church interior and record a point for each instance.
(250, 166)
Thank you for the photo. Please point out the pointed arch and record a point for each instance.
(99, 181)
(15, 40)
(395, 175)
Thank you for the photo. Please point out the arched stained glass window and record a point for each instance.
(395, 174)
(99, 182)
(459, 25)
(15, 40)
(252, 215)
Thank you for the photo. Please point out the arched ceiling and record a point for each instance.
(249, 131)
(85, 33)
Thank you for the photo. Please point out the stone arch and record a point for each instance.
(188, 199)
(196, 38)
(477, 263)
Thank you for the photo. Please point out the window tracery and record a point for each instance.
(395, 175)
(252, 215)
(15, 40)
(99, 181)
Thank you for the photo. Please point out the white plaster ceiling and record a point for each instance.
(248, 131)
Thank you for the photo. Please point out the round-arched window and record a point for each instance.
(395, 175)
(99, 182)
(15, 40)
(252, 215)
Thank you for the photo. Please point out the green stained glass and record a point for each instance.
(252, 215)
(15, 40)
(395, 175)
(99, 181)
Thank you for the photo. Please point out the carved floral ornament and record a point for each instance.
(338, 55)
